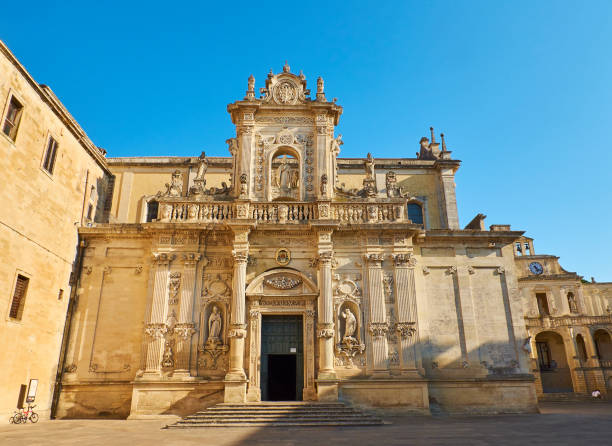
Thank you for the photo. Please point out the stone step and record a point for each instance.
(278, 414)
(274, 417)
(569, 396)
(278, 424)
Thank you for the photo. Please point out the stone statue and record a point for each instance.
(320, 85)
(286, 178)
(214, 326)
(251, 83)
(350, 325)
(572, 302)
(232, 145)
(369, 166)
(335, 144)
(323, 185)
(202, 166)
(175, 187)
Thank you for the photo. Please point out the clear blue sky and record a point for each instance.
(522, 89)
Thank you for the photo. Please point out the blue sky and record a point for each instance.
(520, 88)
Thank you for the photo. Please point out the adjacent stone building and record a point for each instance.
(569, 325)
(54, 180)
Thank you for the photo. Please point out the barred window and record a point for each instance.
(50, 154)
(21, 287)
(12, 118)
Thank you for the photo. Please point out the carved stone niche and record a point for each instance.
(212, 344)
(349, 342)
(285, 172)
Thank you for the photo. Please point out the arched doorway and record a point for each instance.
(281, 308)
(603, 344)
(552, 361)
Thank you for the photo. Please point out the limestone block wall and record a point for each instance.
(39, 218)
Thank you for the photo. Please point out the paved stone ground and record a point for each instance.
(559, 423)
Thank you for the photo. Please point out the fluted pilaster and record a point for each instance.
(378, 326)
(405, 291)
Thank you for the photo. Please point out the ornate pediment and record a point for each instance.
(285, 88)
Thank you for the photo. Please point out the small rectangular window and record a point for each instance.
(60, 295)
(12, 118)
(152, 209)
(89, 211)
(50, 153)
(19, 295)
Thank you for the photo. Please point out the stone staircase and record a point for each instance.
(568, 397)
(278, 414)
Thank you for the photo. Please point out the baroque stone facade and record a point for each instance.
(398, 305)
(280, 272)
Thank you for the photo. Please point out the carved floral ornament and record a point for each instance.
(283, 282)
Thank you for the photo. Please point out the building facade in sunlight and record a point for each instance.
(569, 325)
(163, 285)
(286, 272)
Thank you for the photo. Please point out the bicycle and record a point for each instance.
(16, 418)
(29, 414)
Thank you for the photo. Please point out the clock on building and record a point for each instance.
(536, 268)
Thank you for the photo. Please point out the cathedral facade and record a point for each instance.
(285, 272)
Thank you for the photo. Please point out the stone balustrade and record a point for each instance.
(187, 211)
(565, 321)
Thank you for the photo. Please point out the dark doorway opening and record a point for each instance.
(281, 377)
(282, 358)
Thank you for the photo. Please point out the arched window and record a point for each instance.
(152, 208)
(415, 213)
(582, 353)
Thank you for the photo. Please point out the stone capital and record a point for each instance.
(185, 330)
(163, 258)
(191, 258)
(156, 331)
(378, 329)
(404, 260)
(374, 259)
(406, 329)
(237, 331)
(325, 330)
(240, 257)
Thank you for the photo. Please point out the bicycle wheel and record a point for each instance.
(12, 419)
(34, 417)
(17, 418)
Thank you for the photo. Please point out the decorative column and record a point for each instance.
(405, 292)
(325, 323)
(185, 328)
(235, 380)
(378, 325)
(156, 328)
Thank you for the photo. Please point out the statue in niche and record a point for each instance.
(287, 177)
(572, 302)
(214, 326)
(350, 326)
